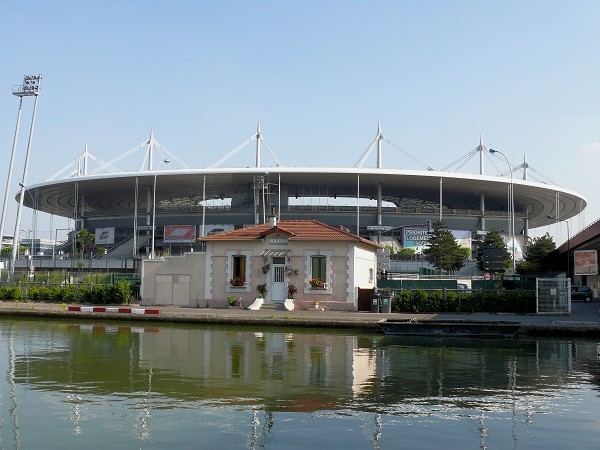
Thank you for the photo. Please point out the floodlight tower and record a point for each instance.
(19, 93)
(30, 86)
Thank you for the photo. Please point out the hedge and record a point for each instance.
(107, 294)
(10, 293)
(420, 301)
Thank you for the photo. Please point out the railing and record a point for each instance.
(329, 208)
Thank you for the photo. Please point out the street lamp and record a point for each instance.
(511, 208)
(166, 161)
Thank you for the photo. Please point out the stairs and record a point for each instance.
(272, 306)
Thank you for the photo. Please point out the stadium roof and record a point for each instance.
(110, 194)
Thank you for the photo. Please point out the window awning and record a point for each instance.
(271, 252)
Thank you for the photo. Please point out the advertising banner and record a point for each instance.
(105, 236)
(586, 262)
(180, 234)
(417, 238)
(217, 228)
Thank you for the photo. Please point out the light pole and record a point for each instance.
(31, 86)
(34, 217)
(166, 161)
(511, 209)
(10, 170)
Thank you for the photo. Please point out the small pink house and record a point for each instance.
(301, 259)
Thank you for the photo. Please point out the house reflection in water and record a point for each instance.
(297, 370)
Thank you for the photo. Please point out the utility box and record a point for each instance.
(375, 301)
(385, 303)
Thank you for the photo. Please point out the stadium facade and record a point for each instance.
(122, 208)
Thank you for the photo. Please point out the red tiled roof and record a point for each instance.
(296, 230)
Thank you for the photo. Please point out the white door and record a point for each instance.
(278, 284)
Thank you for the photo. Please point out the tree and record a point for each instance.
(443, 252)
(407, 253)
(492, 249)
(463, 254)
(7, 250)
(86, 241)
(540, 257)
(540, 248)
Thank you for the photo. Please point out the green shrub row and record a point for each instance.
(10, 293)
(63, 294)
(103, 294)
(108, 294)
(420, 301)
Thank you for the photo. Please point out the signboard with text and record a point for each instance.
(180, 234)
(105, 236)
(417, 237)
(586, 262)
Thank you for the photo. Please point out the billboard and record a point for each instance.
(417, 237)
(217, 228)
(179, 234)
(105, 236)
(586, 262)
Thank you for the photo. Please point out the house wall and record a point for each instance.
(208, 274)
(365, 268)
(174, 280)
(219, 272)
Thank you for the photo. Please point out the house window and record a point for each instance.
(319, 268)
(239, 267)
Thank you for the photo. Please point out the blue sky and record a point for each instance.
(317, 75)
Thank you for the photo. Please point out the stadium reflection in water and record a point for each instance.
(79, 385)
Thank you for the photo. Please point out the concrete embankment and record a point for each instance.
(583, 321)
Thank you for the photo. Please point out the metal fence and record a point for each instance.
(553, 296)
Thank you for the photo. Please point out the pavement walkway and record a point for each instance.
(583, 320)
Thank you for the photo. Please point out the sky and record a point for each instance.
(318, 76)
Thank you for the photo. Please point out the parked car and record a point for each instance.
(582, 293)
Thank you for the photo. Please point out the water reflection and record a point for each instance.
(246, 385)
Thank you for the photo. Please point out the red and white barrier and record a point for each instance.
(113, 310)
(107, 329)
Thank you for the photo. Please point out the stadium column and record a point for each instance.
(379, 204)
(135, 218)
(82, 212)
(482, 208)
(481, 150)
(148, 221)
(528, 209)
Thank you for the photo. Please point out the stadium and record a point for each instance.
(164, 209)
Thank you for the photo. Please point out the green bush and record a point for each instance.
(420, 301)
(10, 293)
(119, 293)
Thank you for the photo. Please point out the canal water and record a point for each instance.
(73, 385)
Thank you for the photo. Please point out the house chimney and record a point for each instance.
(272, 218)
